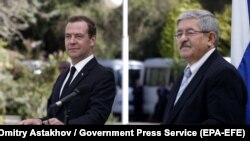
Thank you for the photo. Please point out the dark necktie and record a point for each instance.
(72, 72)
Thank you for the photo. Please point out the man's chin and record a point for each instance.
(184, 55)
(73, 54)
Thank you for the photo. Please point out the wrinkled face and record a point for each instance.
(191, 41)
(78, 45)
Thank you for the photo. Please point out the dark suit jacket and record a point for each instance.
(215, 95)
(91, 107)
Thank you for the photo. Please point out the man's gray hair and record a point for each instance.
(207, 21)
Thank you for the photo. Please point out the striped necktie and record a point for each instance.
(184, 83)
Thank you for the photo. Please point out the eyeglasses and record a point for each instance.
(188, 33)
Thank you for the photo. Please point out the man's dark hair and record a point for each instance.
(90, 23)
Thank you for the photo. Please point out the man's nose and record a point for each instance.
(72, 39)
(183, 37)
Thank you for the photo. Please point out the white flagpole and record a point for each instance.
(125, 58)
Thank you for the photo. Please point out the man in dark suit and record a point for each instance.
(93, 103)
(163, 94)
(211, 91)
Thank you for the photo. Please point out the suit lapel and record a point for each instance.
(172, 110)
(83, 73)
(186, 94)
(59, 85)
(80, 76)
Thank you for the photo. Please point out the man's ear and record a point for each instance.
(93, 40)
(211, 38)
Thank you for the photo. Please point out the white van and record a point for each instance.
(156, 71)
(135, 69)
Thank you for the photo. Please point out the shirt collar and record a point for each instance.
(82, 63)
(196, 66)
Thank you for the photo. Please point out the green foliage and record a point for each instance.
(215, 5)
(151, 25)
(145, 23)
(109, 27)
(27, 96)
(224, 20)
(16, 16)
(21, 91)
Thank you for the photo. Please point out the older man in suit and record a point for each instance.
(210, 91)
(96, 83)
